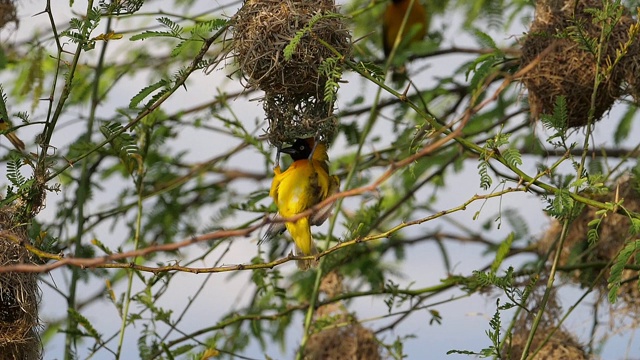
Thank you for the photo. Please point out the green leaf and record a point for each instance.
(512, 156)
(142, 94)
(483, 171)
(13, 170)
(175, 29)
(502, 252)
(559, 119)
(82, 321)
(624, 126)
(484, 39)
(615, 277)
(634, 229)
(3, 104)
(151, 34)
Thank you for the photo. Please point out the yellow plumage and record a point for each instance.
(417, 24)
(304, 184)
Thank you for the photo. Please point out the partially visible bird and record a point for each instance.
(416, 25)
(13, 138)
(304, 184)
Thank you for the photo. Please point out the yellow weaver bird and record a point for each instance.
(416, 25)
(5, 125)
(304, 184)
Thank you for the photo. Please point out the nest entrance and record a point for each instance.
(569, 69)
(298, 117)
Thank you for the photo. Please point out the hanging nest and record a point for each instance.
(261, 31)
(569, 69)
(340, 342)
(613, 233)
(561, 346)
(8, 13)
(297, 117)
(19, 296)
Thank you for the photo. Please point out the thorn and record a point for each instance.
(403, 98)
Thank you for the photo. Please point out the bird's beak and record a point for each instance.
(289, 150)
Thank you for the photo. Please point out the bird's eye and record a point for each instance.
(301, 147)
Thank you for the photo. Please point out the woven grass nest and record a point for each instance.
(613, 234)
(8, 13)
(342, 342)
(19, 297)
(561, 346)
(569, 69)
(261, 31)
(297, 117)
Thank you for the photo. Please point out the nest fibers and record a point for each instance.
(294, 88)
(346, 339)
(613, 234)
(298, 117)
(261, 31)
(19, 298)
(561, 345)
(569, 69)
(8, 13)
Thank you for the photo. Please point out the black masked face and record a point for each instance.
(299, 151)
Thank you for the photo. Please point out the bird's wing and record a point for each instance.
(274, 230)
(321, 215)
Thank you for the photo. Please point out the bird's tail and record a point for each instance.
(301, 234)
(307, 264)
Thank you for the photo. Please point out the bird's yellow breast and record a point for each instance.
(301, 186)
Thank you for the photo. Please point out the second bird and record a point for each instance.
(417, 23)
(304, 184)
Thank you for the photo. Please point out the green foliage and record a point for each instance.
(493, 334)
(173, 31)
(371, 69)
(86, 324)
(179, 175)
(124, 146)
(615, 275)
(502, 252)
(13, 171)
(290, 49)
(623, 130)
(491, 149)
(3, 105)
(120, 7)
(578, 34)
(80, 30)
(148, 90)
(331, 69)
(561, 205)
(558, 120)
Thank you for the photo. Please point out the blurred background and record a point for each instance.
(142, 131)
